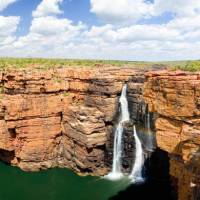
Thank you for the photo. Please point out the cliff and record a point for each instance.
(63, 117)
(66, 118)
(175, 97)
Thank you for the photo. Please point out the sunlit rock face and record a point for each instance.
(67, 117)
(175, 97)
(64, 117)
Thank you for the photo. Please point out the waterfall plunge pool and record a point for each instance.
(55, 184)
(63, 184)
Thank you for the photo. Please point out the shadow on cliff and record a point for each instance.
(194, 165)
(190, 165)
(193, 158)
(157, 185)
(6, 156)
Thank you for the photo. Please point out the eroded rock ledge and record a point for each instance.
(175, 97)
(63, 117)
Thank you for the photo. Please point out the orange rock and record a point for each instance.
(61, 117)
(175, 97)
(168, 134)
(6, 140)
(85, 125)
(23, 106)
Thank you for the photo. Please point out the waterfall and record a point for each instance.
(125, 116)
(117, 149)
(116, 173)
(136, 174)
(150, 137)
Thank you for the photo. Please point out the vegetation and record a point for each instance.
(188, 66)
(66, 94)
(41, 63)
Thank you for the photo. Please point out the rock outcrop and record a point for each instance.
(66, 118)
(175, 97)
(63, 117)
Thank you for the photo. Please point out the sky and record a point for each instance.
(149, 30)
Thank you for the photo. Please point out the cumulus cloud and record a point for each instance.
(121, 36)
(50, 25)
(5, 3)
(178, 7)
(121, 11)
(54, 33)
(47, 32)
(185, 23)
(48, 7)
(8, 26)
(132, 11)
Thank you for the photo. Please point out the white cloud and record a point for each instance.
(50, 25)
(58, 32)
(147, 33)
(136, 42)
(5, 3)
(178, 7)
(132, 11)
(47, 32)
(123, 38)
(8, 26)
(121, 11)
(48, 7)
(185, 23)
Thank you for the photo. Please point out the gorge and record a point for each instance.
(67, 118)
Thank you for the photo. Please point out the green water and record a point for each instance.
(54, 184)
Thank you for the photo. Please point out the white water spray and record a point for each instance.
(116, 173)
(136, 174)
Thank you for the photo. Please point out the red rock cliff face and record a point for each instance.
(175, 97)
(62, 117)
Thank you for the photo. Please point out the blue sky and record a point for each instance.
(101, 29)
(76, 10)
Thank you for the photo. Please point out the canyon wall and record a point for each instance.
(64, 117)
(175, 97)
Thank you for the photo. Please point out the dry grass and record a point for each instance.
(41, 63)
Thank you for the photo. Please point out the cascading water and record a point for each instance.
(117, 149)
(136, 174)
(150, 137)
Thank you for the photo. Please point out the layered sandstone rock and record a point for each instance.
(175, 96)
(63, 117)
